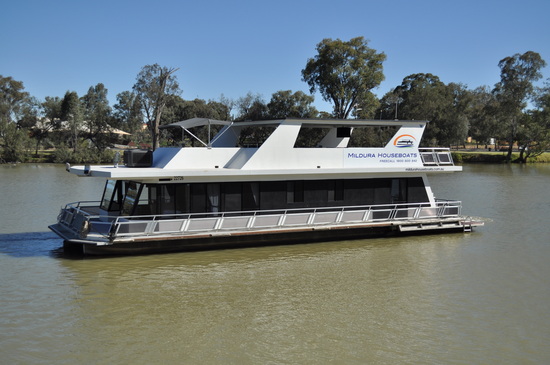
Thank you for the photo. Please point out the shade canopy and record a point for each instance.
(196, 122)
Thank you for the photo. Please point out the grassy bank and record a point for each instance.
(493, 157)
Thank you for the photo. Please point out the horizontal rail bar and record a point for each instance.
(75, 217)
(436, 156)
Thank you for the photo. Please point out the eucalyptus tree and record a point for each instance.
(534, 132)
(366, 106)
(18, 113)
(97, 114)
(344, 72)
(51, 121)
(72, 114)
(515, 89)
(13, 100)
(424, 96)
(251, 107)
(286, 104)
(178, 109)
(455, 123)
(153, 85)
(127, 112)
(421, 96)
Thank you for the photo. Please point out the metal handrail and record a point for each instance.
(436, 156)
(106, 227)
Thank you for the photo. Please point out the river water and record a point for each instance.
(472, 298)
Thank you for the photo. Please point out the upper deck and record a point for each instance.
(227, 155)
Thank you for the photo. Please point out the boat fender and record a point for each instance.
(85, 229)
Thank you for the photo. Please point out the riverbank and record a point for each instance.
(476, 156)
(459, 157)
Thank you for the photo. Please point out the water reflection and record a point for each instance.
(30, 244)
(266, 304)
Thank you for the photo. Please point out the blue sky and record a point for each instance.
(235, 47)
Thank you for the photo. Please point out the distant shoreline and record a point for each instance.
(496, 157)
(459, 157)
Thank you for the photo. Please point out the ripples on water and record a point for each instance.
(452, 298)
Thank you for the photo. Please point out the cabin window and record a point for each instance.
(213, 193)
(182, 198)
(108, 194)
(132, 194)
(416, 190)
(232, 197)
(167, 199)
(336, 190)
(113, 194)
(399, 191)
(198, 198)
(251, 196)
(295, 192)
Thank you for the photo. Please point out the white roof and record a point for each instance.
(278, 158)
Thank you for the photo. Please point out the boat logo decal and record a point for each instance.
(404, 141)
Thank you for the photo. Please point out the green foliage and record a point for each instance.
(344, 72)
(72, 114)
(153, 85)
(97, 115)
(457, 158)
(285, 104)
(517, 74)
(15, 144)
(425, 97)
(251, 107)
(127, 114)
(83, 155)
(15, 103)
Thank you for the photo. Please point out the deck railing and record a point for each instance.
(436, 156)
(77, 217)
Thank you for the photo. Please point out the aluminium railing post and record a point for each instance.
(339, 216)
(282, 219)
(311, 217)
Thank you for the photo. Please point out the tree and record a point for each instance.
(251, 107)
(534, 131)
(228, 105)
(154, 84)
(422, 97)
(51, 111)
(454, 124)
(72, 114)
(285, 104)
(366, 106)
(517, 74)
(344, 72)
(127, 112)
(178, 109)
(483, 121)
(425, 97)
(97, 113)
(13, 99)
(17, 113)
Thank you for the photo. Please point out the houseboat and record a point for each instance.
(251, 183)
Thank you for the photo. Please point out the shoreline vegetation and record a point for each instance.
(460, 156)
(494, 157)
